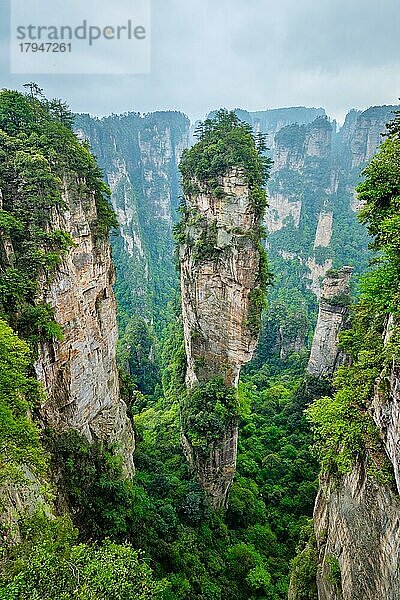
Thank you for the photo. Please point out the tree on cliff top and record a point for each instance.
(225, 142)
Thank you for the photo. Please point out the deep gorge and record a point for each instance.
(93, 469)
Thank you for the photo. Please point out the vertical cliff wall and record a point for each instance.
(355, 551)
(219, 270)
(311, 191)
(139, 155)
(357, 517)
(357, 528)
(219, 275)
(79, 372)
(223, 273)
(56, 299)
(311, 219)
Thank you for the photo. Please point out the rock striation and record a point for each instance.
(139, 155)
(79, 373)
(357, 527)
(311, 192)
(220, 276)
(385, 407)
(326, 355)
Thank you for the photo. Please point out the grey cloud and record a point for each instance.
(254, 54)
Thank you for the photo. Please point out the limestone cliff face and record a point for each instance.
(357, 526)
(357, 516)
(325, 354)
(220, 269)
(80, 373)
(311, 193)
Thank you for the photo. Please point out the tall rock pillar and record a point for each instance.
(221, 305)
(326, 355)
(223, 275)
(220, 282)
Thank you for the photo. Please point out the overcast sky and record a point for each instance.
(253, 54)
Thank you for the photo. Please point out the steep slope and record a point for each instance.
(222, 277)
(325, 355)
(312, 220)
(357, 517)
(79, 371)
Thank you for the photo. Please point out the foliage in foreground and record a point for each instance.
(20, 444)
(204, 555)
(50, 564)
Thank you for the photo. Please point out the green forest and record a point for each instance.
(96, 534)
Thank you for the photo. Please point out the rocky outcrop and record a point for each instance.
(357, 516)
(282, 211)
(270, 121)
(316, 273)
(311, 193)
(368, 134)
(28, 494)
(79, 372)
(357, 527)
(325, 354)
(220, 276)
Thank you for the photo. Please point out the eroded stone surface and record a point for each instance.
(357, 517)
(385, 406)
(216, 309)
(80, 373)
(323, 234)
(325, 354)
(357, 523)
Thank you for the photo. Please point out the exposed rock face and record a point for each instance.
(270, 121)
(367, 136)
(216, 304)
(325, 354)
(357, 517)
(26, 496)
(80, 373)
(281, 210)
(311, 192)
(139, 156)
(316, 273)
(357, 526)
(323, 234)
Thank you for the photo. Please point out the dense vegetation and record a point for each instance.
(20, 445)
(39, 155)
(226, 142)
(140, 155)
(117, 528)
(199, 554)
